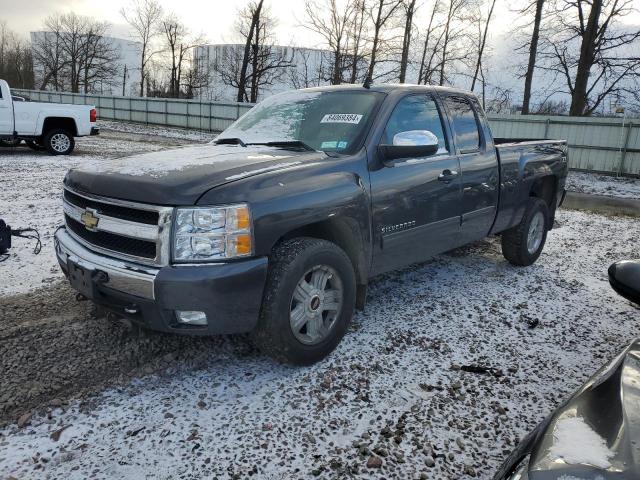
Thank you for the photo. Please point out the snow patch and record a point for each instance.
(576, 443)
(609, 186)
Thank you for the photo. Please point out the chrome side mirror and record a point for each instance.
(410, 144)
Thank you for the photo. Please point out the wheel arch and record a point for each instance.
(345, 233)
(545, 188)
(66, 123)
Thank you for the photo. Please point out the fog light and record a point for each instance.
(191, 318)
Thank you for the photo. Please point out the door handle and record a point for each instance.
(447, 175)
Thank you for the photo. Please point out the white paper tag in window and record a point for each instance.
(341, 118)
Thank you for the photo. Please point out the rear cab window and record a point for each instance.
(465, 124)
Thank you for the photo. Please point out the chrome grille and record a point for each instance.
(127, 230)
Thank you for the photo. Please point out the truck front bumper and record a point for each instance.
(230, 294)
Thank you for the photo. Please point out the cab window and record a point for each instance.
(465, 124)
(416, 112)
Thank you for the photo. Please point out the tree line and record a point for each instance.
(568, 56)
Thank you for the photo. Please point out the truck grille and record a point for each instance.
(142, 216)
(115, 243)
(119, 228)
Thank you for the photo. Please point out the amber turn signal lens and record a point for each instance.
(239, 245)
(243, 219)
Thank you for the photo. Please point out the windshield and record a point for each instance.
(328, 121)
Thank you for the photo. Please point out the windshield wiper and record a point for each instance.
(288, 145)
(230, 141)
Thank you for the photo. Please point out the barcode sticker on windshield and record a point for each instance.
(341, 118)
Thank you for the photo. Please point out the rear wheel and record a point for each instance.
(523, 244)
(308, 302)
(59, 142)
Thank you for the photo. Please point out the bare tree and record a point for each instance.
(382, 12)
(332, 21)
(432, 41)
(309, 68)
(16, 65)
(73, 53)
(265, 63)
(409, 10)
(99, 59)
(356, 39)
(453, 15)
(482, 38)
(179, 44)
(144, 17)
(538, 5)
(595, 55)
(48, 56)
(253, 13)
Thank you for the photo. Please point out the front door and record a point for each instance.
(416, 202)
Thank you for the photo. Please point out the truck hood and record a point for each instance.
(180, 176)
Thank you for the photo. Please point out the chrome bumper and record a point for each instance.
(123, 276)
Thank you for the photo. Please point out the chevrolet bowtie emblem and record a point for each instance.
(89, 219)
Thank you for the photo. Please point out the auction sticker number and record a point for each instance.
(341, 118)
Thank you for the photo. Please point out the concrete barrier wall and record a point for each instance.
(610, 145)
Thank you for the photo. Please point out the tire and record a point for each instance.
(59, 142)
(318, 262)
(10, 143)
(516, 247)
(34, 145)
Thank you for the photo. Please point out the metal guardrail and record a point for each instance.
(609, 145)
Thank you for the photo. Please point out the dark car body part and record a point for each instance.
(383, 217)
(624, 277)
(607, 410)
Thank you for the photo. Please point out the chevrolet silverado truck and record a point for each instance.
(49, 126)
(277, 226)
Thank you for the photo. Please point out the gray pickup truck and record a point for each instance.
(277, 226)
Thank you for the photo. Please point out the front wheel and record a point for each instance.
(308, 302)
(59, 142)
(523, 244)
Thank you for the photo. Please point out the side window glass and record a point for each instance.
(416, 112)
(465, 125)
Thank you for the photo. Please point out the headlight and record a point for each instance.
(212, 233)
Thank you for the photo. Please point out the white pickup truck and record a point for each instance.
(49, 126)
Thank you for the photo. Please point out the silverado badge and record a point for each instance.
(89, 219)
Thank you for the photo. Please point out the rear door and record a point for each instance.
(416, 202)
(6, 110)
(478, 166)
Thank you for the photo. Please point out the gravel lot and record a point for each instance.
(607, 185)
(393, 401)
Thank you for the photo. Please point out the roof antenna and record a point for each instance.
(367, 82)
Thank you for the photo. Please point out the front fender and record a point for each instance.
(335, 193)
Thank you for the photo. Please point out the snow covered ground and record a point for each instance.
(31, 195)
(154, 130)
(393, 390)
(597, 184)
